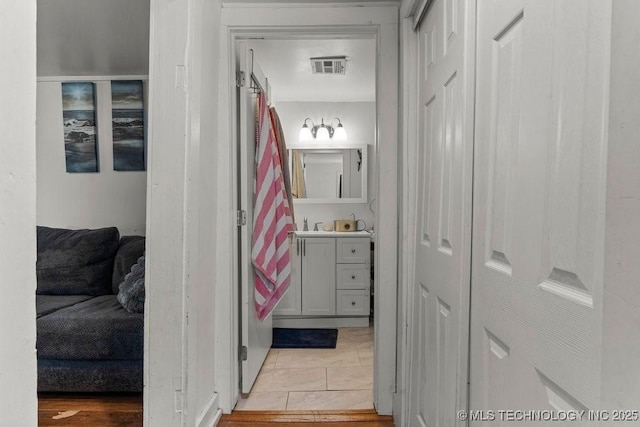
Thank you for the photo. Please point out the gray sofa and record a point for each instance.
(86, 340)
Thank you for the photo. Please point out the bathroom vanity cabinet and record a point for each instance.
(318, 276)
(330, 281)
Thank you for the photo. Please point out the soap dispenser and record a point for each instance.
(305, 226)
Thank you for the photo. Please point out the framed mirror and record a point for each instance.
(332, 173)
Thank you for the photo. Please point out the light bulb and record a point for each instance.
(339, 134)
(322, 133)
(305, 134)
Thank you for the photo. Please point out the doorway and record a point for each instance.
(93, 202)
(335, 92)
(385, 131)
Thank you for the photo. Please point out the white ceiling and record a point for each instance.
(286, 64)
(93, 37)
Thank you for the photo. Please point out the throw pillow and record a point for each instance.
(131, 290)
(131, 248)
(75, 262)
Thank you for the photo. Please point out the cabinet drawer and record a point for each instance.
(353, 276)
(352, 303)
(353, 250)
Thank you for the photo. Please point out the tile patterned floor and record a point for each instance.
(317, 379)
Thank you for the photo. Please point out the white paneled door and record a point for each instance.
(255, 336)
(440, 312)
(539, 181)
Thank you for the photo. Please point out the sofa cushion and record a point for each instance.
(95, 329)
(131, 293)
(75, 262)
(46, 304)
(131, 248)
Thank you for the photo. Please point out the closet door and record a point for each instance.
(539, 177)
(440, 312)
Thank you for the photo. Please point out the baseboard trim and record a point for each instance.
(217, 417)
(210, 414)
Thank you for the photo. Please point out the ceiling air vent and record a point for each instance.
(329, 65)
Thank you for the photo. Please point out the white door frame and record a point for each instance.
(378, 22)
(410, 14)
(409, 197)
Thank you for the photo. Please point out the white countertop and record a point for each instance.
(333, 234)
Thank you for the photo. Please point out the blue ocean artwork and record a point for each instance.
(128, 125)
(79, 121)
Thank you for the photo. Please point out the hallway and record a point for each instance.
(507, 219)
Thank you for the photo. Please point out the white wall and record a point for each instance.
(84, 200)
(359, 119)
(203, 405)
(18, 402)
(180, 360)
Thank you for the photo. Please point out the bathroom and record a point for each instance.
(335, 182)
(297, 94)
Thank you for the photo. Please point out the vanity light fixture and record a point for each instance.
(322, 132)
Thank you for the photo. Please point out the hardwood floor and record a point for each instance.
(106, 410)
(89, 410)
(352, 418)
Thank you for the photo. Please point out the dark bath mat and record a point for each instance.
(304, 338)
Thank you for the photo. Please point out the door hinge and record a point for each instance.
(240, 80)
(241, 218)
(243, 353)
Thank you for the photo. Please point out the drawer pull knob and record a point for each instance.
(353, 277)
(353, 303)
(353, 251)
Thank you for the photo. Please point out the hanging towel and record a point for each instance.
(271, 219)
(284, 158)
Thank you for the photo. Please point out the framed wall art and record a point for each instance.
(79, 120)
(127, 111)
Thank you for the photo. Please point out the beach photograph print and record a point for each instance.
(79, 118)
(127, 109)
